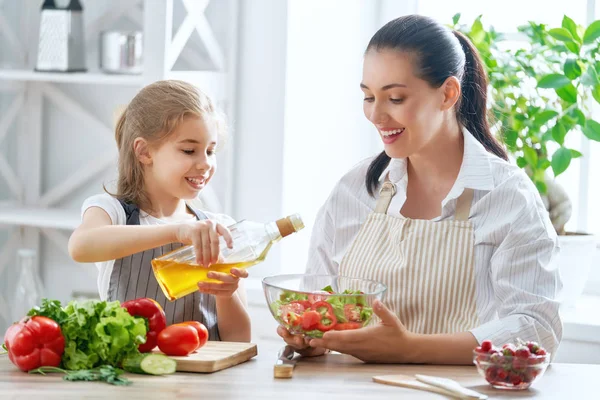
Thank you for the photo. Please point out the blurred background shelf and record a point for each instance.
(40, 217)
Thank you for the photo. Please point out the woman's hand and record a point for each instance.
(204, 236)
(299, 343)
(228, 283)
(386, 342)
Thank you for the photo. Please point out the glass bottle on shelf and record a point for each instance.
(29, 289)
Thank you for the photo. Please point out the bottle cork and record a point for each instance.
(285, 226)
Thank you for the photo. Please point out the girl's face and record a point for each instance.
(407, 112)
(183, 164)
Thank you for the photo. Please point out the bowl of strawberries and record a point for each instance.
(512, 366)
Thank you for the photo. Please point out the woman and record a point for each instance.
(459, 235)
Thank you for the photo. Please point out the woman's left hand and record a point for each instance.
(387, 342)
(228, 282)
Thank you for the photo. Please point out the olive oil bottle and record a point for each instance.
(178, 274)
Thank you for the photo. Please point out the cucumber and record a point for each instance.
(150, 364)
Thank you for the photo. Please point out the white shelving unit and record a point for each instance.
(30, 212)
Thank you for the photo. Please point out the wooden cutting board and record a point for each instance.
(215, 356)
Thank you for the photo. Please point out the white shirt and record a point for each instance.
(517, 280)
(117, 215)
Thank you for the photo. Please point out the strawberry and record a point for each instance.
(533, 347)
(486, 346)
(497, 358)
(479, 349)
(515, 379)
(508, 349)
(502, 375)
(541, 352)
(519, 364)
(522, 352)
(491, 373)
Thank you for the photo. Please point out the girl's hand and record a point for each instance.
(204, 236)
(299, 343)
(228, 285)
(387, 342)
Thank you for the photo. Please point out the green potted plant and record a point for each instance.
(542, 91)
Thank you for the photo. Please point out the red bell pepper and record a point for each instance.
(328, 318)
(154, 314)
(34, 342)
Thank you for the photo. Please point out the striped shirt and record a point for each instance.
(515, 246)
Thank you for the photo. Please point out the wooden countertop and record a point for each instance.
(333, 376)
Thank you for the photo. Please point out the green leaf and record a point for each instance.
(558, 133)
(510, 138)
(578, 115)
(592, 32)
(553, 81)
(561, 160)
(590, 77)
(530, 156)
(596, 93)
(568, 93)
(592, 130)
(544, 117)
(544, 164)
(571, 26)
(456, 18)
(572, 68)
(521, 162)
(573, 47)
(477, 33)
(561, 34)
(575, 154)
(541, 187)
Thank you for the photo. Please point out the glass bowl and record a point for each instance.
(510, 372)
(311, 305)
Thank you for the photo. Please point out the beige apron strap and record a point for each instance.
(387, 191)
(463, 205)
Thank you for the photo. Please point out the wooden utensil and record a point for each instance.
(411, 382)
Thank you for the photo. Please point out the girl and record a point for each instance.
(167, 138)
(459, 236)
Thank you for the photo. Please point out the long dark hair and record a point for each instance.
(439, 54)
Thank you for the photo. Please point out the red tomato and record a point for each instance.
(304, 303)
(310, 320)
(178, 340)
(318, 296)
(352, 312)
(201, 329)
(346, 326)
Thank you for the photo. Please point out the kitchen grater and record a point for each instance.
(61, 42)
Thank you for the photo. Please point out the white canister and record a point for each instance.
(121, 52)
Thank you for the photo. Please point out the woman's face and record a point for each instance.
(407, 112)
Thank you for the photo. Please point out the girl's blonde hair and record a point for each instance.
(153, 114)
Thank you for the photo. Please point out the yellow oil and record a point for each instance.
(180, 279)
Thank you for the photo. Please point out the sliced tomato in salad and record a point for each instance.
(346, 326)
(310, 320)
(352, 312)
(304, 303)
(291, 313)
(318, 296)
